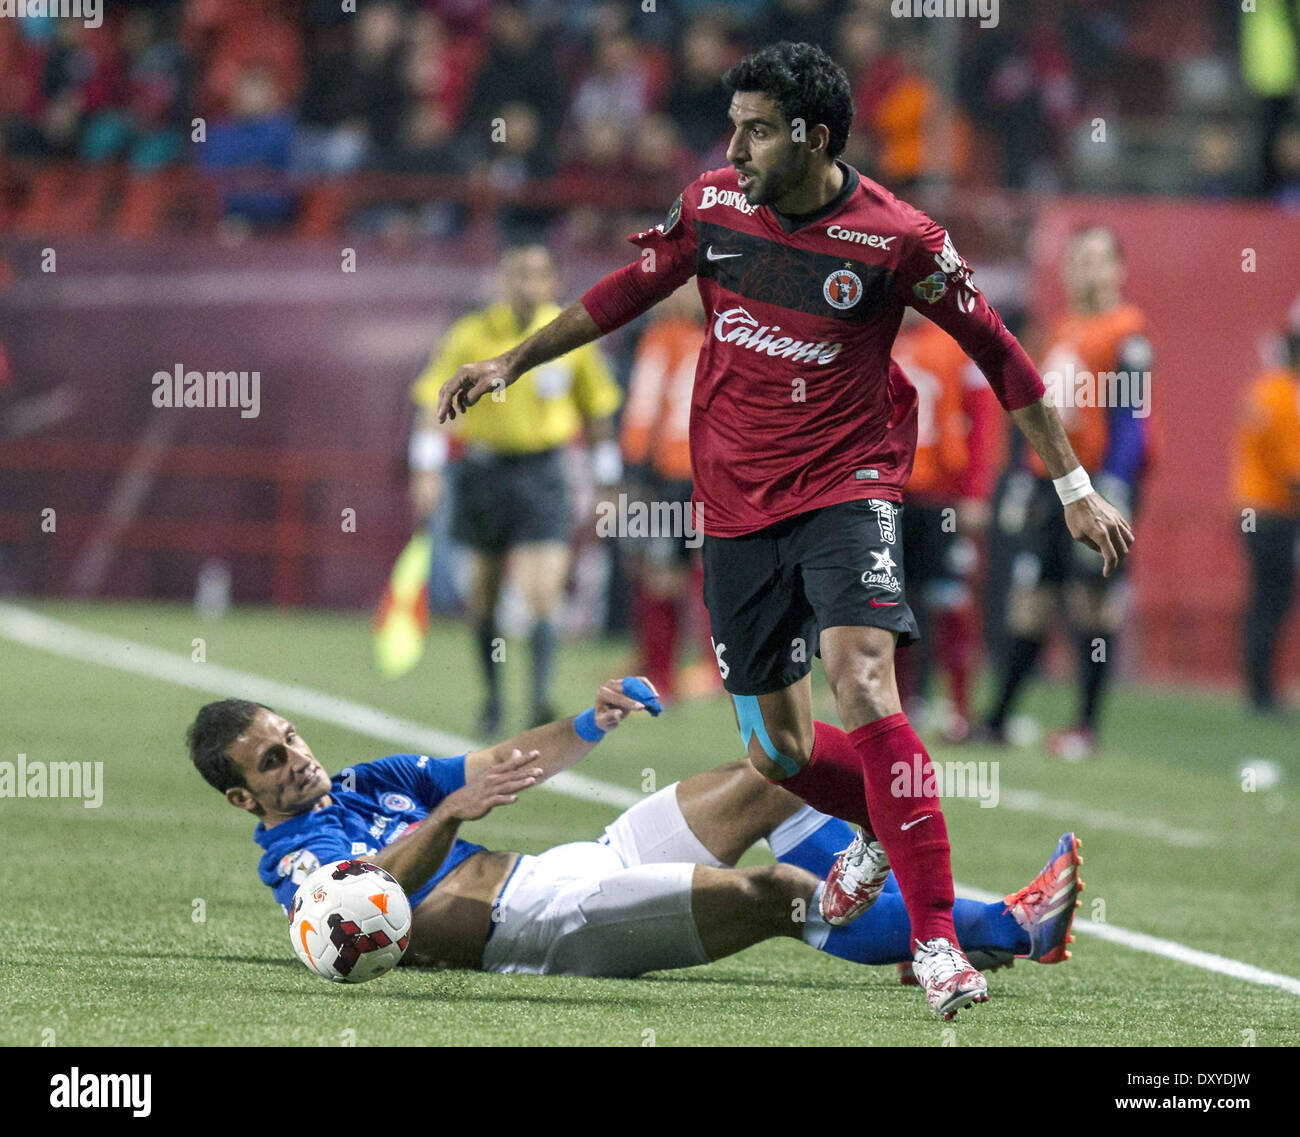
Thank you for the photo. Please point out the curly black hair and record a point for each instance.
(214, 728)
(804, 82)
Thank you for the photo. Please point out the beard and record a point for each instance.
(773, 185)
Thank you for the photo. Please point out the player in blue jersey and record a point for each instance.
(657, 890)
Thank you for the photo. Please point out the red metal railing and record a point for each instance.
(290, 536)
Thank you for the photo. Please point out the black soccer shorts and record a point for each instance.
(507, 500)
(770, 593)
(1045, 553)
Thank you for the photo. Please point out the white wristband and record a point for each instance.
(1073, 486)
(607, 463)
(428, 451)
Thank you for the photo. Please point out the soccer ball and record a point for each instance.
(350, 922)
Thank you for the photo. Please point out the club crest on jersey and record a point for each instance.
(298, 865)
(396, 803)
(843, 288)
(932, 287)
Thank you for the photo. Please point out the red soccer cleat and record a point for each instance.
(1045, 906)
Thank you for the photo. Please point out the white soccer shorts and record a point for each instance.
(617, 907)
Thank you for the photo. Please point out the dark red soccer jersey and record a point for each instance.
(796, 403)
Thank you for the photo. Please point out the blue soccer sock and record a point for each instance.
(882, 934)
(811, 840)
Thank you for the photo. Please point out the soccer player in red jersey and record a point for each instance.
(802, 436)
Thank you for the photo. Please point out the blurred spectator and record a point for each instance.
(659, 161)
(904, 128)
(518, 68)
(1267, 487)
(800, 21)
(65, 76)
(438, 69)
(463, 17)
(1286, 166)
(241, 34)
(520, 154)
(655, 162)
(425, 144)
(243, 147)
(1021, 89)
(148, 126)
(1270, 68)
(353, 98)
(914, 132)
(420, 86)
(621, 84)
(698, 101)
(600, 163)
(1218, 161)
(738, 16)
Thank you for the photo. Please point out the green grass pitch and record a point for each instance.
(102, 947)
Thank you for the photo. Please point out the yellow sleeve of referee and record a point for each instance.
(454, 350)
(595, 390)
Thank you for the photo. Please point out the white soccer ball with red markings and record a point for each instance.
(350, 922)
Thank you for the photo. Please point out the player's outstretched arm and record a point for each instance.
(566, 742)
(1091, 518)
(415, 857)
(569, 330)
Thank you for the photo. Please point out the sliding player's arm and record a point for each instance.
(666, 262)
(416, 856)
(565, 742)
(942, 290)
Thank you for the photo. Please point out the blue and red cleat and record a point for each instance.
(1044, 908)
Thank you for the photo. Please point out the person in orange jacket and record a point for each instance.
(1266, 482)
(1097, 368)
(665, 567)
(945, 509)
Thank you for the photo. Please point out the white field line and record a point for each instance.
(1170, 949)
(34, 630)
(1087, 817)
(58, 638)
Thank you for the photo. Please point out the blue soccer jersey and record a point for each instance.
(373, 804)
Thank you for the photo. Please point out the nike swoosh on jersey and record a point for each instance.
(719, 256)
